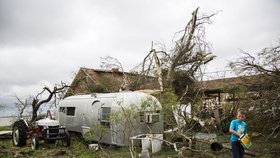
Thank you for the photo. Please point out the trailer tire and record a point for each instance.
(19, 133)
(34, 142)
(66, 141)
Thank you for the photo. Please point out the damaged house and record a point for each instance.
(222, 97)
(89, 80)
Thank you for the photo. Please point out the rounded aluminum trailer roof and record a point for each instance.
(128, 97)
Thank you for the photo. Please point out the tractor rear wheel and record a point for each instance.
(19, 133)
(34, 142)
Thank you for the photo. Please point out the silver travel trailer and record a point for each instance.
(111, 118)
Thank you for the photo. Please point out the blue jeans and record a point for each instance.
(237, 150)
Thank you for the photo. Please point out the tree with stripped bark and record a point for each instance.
(190, 52)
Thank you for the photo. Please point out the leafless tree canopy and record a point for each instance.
(267, 62)
(189, 53)
(21, 105)
(44, 97)
(191, 50)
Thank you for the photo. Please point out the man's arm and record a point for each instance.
(234, 132)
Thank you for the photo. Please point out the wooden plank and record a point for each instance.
(5, 134)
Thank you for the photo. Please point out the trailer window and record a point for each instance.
(70, 111)
(142, 117)
(152, 117)
(105, 114)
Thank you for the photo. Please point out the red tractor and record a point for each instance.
(44, 129)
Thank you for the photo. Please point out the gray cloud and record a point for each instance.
(32, 22)
(43, 42)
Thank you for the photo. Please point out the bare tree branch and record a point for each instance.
(109, 63)
(37, 102)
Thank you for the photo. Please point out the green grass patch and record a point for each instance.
(5, 128)
(79, 149)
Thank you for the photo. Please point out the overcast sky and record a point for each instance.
(43, 42)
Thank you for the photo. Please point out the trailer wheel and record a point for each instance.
(34, 142)
(19, 133)
(66, 140)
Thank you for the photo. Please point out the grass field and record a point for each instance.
(79, 149)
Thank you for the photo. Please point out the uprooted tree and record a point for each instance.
(45, 96)
(263, 101)
(190, 52)
(177, 69)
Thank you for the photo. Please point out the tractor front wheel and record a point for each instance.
(66, 140)
(34, 142)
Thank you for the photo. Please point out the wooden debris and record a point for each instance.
(4, 150)
(60, 153)
(5, 134)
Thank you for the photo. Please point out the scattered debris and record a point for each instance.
(216, 146)
(182, 112)
(4, 150)
(93, 147)
(60, 153)
(5, 134)
(205, 136)
(15, 154)
(148, 141)
(144, 154)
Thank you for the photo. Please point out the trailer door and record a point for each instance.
(91, 119)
